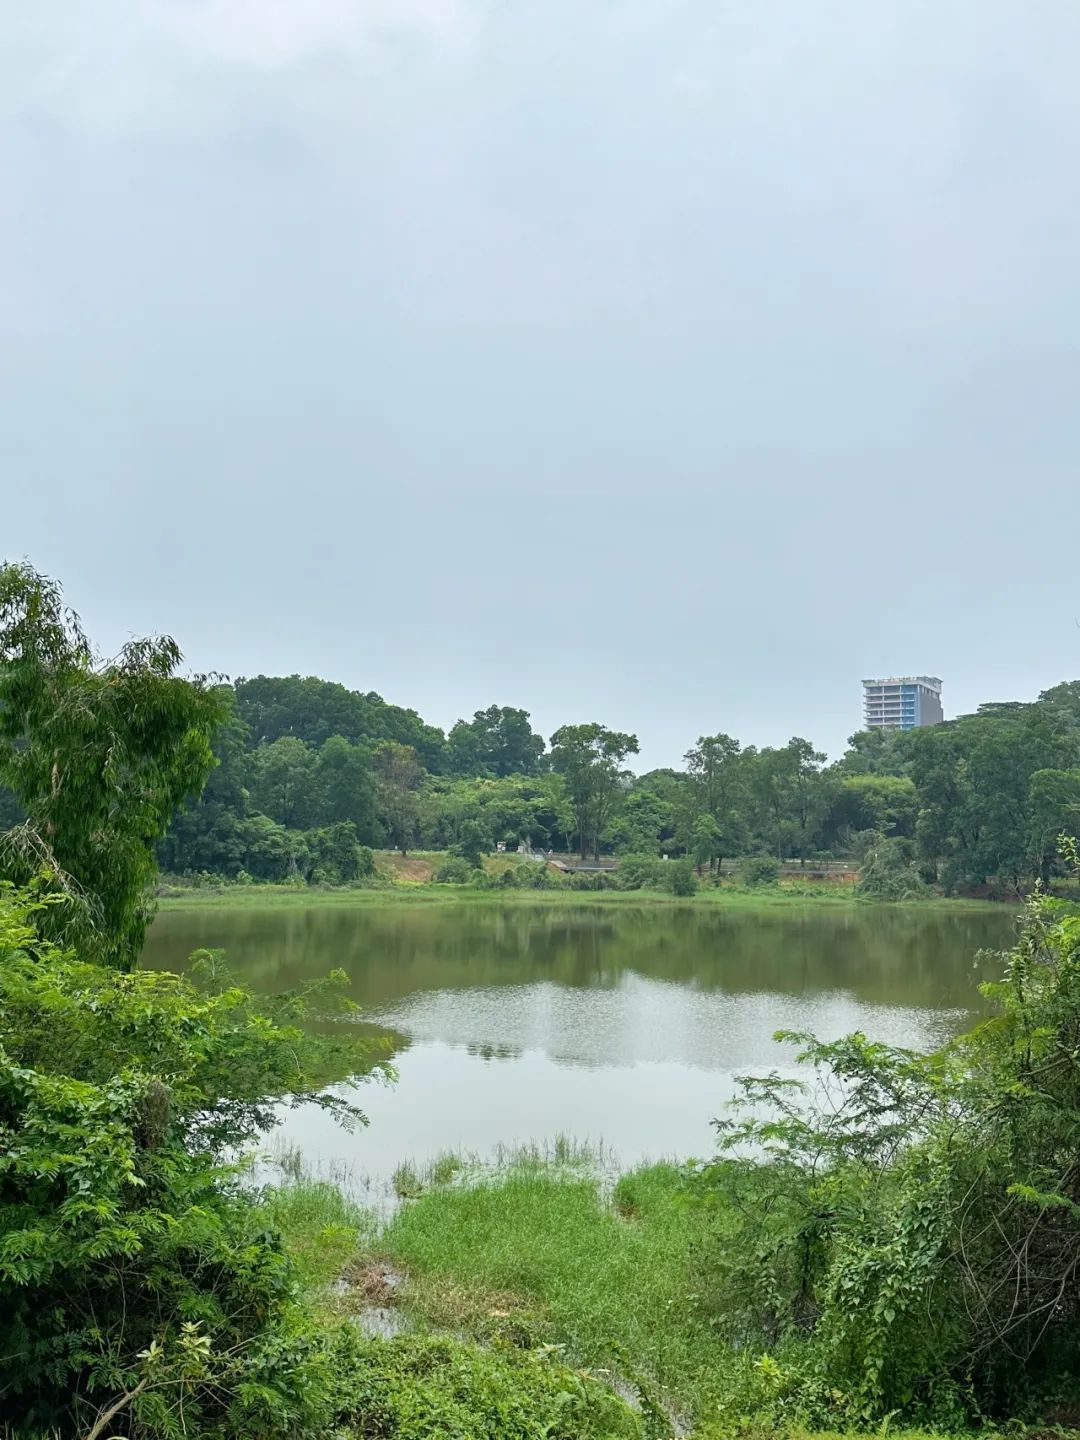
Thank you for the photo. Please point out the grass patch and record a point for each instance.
(499, 1385)
(536, 1289)
(322, 1228)
(538, 1253)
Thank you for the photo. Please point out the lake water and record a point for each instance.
(618, 1025)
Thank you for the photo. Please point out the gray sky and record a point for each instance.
(671, 363)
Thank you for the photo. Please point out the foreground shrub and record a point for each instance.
(134, 1272)
(911, 1244)
(414, 1388)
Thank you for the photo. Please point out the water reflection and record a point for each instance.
(513, 1023)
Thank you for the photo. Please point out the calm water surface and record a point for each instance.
(623, 1025)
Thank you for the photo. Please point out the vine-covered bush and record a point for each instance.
(413, 1388)
(888, 871)
(903, 1234)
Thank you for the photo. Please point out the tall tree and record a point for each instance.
(285, 782)
(398, 777)
(1053, 810)
(497, 741)
(313, 710)
(99, 754)
(348, 787)
(590, 759)
(718, 792)
(207, 834)
(788, 786)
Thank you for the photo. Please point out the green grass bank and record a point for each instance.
(544, 1255)
(725, 897)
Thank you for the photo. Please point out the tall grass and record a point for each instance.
(537, 1251)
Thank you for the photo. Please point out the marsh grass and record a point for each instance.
(540, 1250)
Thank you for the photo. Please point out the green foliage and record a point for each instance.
(721, 805)
(885, 804)
(131, 1263)
(418, 1388)
(398, 774)
(538, 1252)
(590, 880)
(517, 807)
(909, 1245)
(473, 843)
(640, 872)
(98, 755)
(888, 872)
(335, 855)
(975, 779)
(875, 752)
(787, 789)
(590, 759)
(650, 815)
(498, 741)
(759, 870)
(984, 797)
(681, 878)
(454, 870)
(346, 787)
(315, 710)
(285, 782)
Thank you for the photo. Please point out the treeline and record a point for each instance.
(310, 773)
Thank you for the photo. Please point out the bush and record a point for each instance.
(454, 870)
(888, 872)
(131, 1262)
(639, 872)
(590, 880)
(473, 843)
(909, 1246)
(365, 862)
(539, 877)
(682, 881)
(417, 1387)
(759, 870)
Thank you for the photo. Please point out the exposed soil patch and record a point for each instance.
(410, 868)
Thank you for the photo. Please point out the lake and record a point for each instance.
(617, 1024)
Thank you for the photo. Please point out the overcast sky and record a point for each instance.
(669, 363)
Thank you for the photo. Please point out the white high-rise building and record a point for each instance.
(904, 702)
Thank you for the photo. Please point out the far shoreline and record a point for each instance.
(281, 897)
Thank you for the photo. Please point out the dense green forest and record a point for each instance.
(308, 771)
